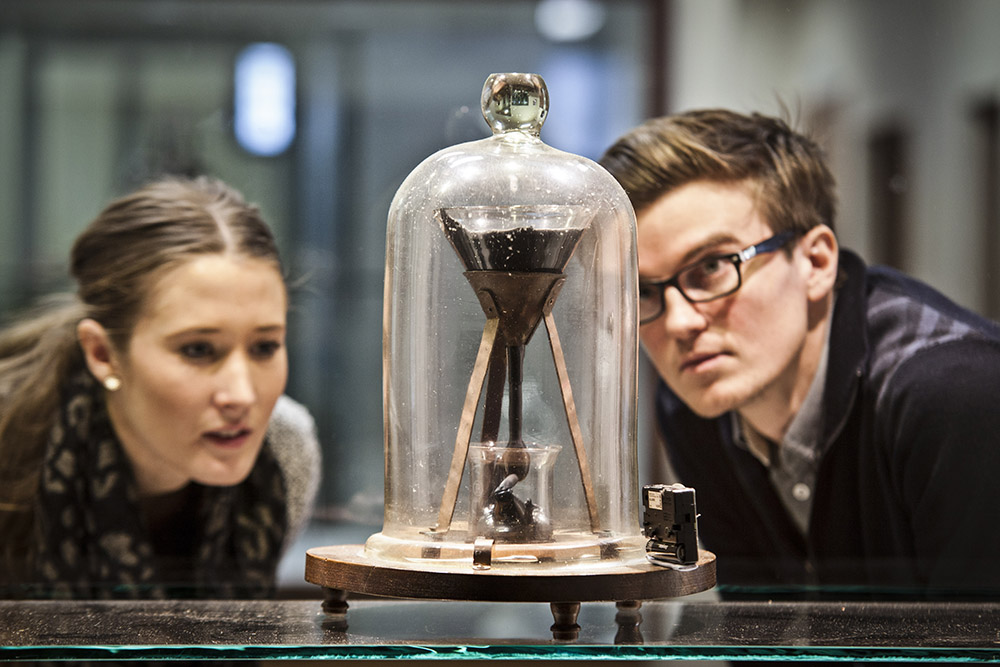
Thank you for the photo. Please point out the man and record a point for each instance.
(838, 421)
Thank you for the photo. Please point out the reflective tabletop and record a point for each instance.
(398, 629)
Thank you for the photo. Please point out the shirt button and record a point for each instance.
(801, 492)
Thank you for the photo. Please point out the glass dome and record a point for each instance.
(510, 355)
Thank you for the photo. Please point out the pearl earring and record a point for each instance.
(112, 383)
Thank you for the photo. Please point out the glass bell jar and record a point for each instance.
(510, 353)
(510, 372)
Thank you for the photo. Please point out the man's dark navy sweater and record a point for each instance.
(907, 498)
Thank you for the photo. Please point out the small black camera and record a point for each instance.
(670, 521)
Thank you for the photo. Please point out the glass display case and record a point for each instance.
(688, 629)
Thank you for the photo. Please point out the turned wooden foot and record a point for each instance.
(628, 620)
(565, 627)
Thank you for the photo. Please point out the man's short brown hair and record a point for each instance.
(786, 171)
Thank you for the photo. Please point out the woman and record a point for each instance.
(145, 446)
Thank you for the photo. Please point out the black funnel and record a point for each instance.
(513, 238)
(514, 257)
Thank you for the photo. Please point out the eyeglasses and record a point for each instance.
(706, 280)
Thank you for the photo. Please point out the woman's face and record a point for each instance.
(202, 372)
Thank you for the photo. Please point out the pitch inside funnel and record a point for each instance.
(514, 238)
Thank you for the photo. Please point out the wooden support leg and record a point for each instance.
(565, 627)
(335, 609)
(574, 422)
(334, 601)
(450, 496)
(628, 620)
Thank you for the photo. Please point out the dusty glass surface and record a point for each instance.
(392, 629)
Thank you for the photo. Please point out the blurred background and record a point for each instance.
(318, 109)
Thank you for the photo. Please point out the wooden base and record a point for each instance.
(345, 568)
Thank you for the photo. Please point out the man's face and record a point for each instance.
(729, 353)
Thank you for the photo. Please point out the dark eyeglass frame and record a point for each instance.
(772, 244)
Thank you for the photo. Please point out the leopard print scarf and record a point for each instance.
(91, 537)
